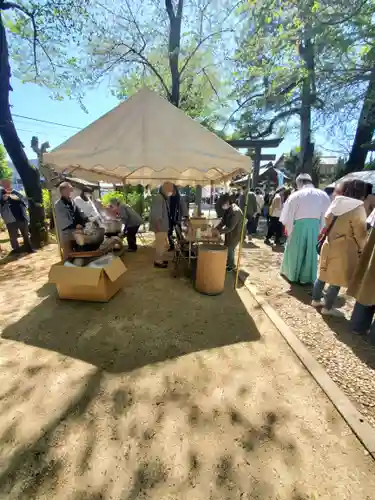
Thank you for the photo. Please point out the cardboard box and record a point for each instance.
(88, 283)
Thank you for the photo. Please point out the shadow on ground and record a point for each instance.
(154, 318)
(341, 326)
(165, 412)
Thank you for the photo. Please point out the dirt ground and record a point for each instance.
(348, 359)
(160, 394)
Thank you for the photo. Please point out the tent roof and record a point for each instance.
(364, 175)
(147, 140)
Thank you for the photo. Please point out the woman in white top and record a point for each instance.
(87, 206)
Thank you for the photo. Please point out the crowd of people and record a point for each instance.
(329, 241)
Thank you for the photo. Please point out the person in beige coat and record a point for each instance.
(362, 287)
(159, 222)
(346, 236)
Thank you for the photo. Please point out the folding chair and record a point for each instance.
(142, 235)
(181, 254)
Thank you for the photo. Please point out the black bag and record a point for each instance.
(323, 237)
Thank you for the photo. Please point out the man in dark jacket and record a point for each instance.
(13, 211)
(68, 218)
(251, 211)
(177, 210)
(230, 226)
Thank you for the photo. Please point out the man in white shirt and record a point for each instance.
(303, 217)
(260, 204)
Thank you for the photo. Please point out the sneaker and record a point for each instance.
(332, 312)
(317, 303)
(267, 242)
(161, 265)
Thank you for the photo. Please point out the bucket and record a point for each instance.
(211, 269)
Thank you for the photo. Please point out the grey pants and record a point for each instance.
(13, 229)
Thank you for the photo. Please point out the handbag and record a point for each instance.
(324, 234)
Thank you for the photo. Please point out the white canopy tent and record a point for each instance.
(147, 140)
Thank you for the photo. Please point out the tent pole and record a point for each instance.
(242, 230)
(54, 221)
(211, 198)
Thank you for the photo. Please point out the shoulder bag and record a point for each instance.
(324, 234)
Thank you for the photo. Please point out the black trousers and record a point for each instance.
(131, 236)
(13, 229)
(275, 228)
(172, 226)
(170, 235)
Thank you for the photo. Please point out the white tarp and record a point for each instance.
(147, 140)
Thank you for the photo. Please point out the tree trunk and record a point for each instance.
(29, 175)
(365, 130)
(175, 19)
(256, 166)
(307, 97)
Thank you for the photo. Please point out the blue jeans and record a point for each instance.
(362, 317)
(330, 296)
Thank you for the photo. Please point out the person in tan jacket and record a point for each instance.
(362, 287)
(346, 236)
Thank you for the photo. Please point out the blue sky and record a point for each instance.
(35, 102)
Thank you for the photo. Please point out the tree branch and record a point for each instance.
(170, 11)
(240, 106)
(197, 47)
(136, 25)
(272, 123)
(146, 62)
(31, 16)
(180, 7)
(210, 82)
(343, 19)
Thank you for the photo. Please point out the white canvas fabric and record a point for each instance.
(147, 140)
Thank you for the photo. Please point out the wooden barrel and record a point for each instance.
(211, 269)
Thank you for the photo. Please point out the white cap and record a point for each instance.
(304, 177)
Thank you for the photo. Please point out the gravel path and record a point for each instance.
(349, 360)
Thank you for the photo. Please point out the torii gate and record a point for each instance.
(257, 157)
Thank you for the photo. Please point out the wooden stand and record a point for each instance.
(211, 269)
(108, 247)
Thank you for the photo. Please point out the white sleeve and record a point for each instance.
(326, 207)
(81, 205)
(287, 215)
(371, 219)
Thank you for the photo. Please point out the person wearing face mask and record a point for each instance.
(345, 237)
(87, 206)
(230, 226)
(159, 222)
(68, 218)
(14, 214)
(131, 220)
